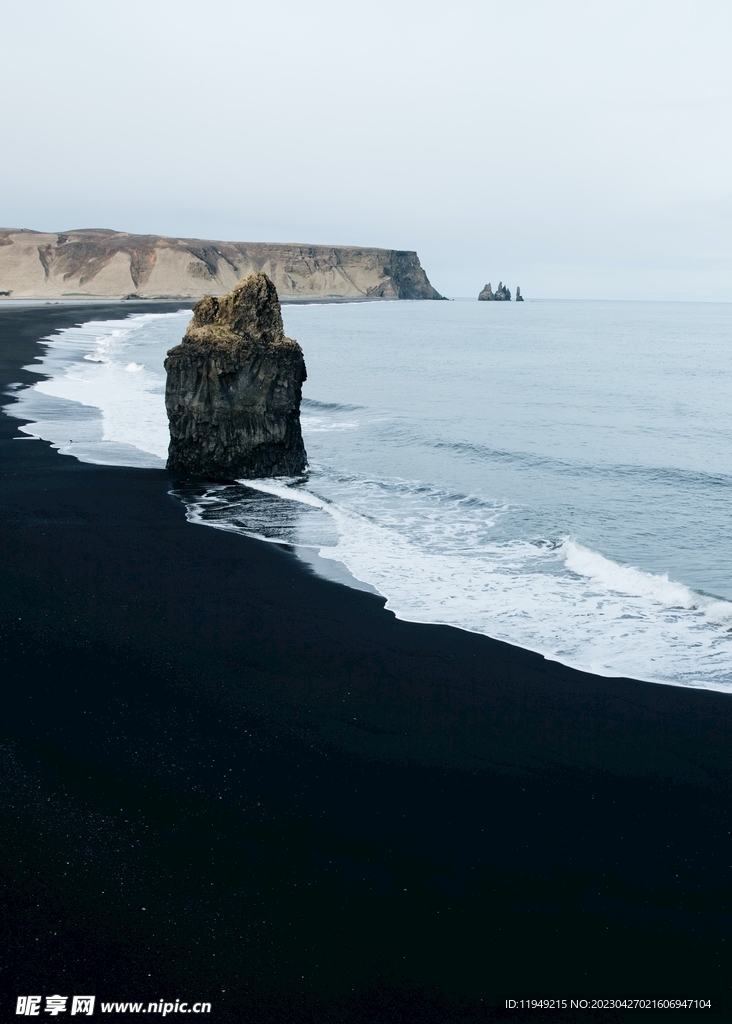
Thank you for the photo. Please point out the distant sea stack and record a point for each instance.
(501, 294)
(234, 387)
(519, 296)
(97, 263)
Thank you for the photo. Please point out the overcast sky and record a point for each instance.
(575, 148)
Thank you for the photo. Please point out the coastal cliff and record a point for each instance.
(233, 389)
(98, 263)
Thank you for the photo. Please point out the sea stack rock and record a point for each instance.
(501, 294)
(234, 388)
(519, 296)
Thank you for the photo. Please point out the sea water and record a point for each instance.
(554, 474)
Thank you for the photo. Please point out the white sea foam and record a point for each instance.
(283, 488)
(627, 580)
(563, 600)
(628, 623)
(318, 424)
(90, 366)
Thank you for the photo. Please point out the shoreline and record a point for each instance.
(609, 668)
(206, 706)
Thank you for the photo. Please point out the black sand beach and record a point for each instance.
(225, 779)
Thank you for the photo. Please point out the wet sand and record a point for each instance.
(225, 779)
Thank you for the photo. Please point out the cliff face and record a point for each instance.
(233, 389)
(112, 264)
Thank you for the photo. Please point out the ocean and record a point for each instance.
(553, 474)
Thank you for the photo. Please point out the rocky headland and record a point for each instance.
(98, 263)
(233, 389)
